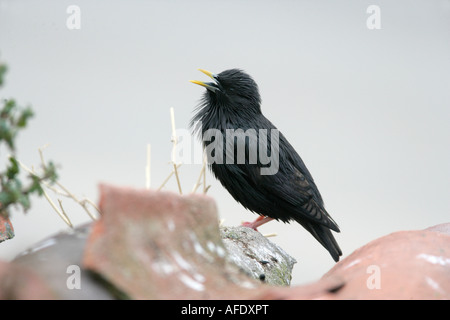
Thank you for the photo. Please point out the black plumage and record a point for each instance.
(232, 101)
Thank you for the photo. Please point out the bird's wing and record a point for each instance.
(292, 187)
(291, 190)
(296, 194)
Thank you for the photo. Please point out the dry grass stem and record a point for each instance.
(168, 177)
(147, 168)
(62, 191)
(268, 235)
(174, 142)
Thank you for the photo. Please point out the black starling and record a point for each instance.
(230, 114)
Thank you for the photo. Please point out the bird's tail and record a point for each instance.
(325, 237)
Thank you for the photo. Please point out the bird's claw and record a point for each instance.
(249, 225)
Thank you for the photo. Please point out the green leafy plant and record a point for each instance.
(14, 191)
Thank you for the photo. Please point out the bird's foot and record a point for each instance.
(249, 224)
(257, 223)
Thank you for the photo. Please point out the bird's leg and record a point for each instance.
(257, 223)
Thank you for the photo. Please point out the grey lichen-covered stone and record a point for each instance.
(258, 256)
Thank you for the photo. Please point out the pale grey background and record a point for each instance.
(368, 110)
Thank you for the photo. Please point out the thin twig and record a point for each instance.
(63, 211)
(268, 235)
(47, 197)
(202, 175)
(41, 154)
(63, 192)
(67, 193)
(178, 179)
(81, 202)
(147, 168)
(205, 188)
(167, 179)
(62, 214)
(174, 142)
(93, 205)
(197, 184)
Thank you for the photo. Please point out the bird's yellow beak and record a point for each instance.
(208, 73)
(199, 83)
(208, 85)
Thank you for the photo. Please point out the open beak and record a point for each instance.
(212, 86)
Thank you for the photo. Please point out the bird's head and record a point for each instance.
(231, 88)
